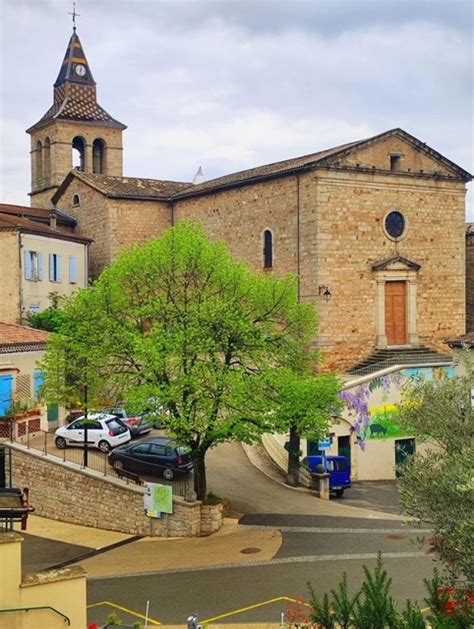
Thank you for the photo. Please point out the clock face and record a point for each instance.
(79, 69)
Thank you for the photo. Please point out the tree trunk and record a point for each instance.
(200, 481)
(293, 475)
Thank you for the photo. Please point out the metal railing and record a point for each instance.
(44, 442)
(65, 618)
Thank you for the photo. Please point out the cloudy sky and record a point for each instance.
(230, 84)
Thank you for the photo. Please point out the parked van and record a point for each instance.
(339, 471)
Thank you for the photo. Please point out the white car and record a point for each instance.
(103, 431)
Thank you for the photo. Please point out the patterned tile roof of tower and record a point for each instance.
(20, 338)
(9, 222)
(132, 187)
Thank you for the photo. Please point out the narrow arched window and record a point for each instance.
(76, 200)
(47, 160)
(78, 153)
(39, 162)
(98, 156)
(267, 249)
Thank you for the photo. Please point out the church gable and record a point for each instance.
(396, 263)
(397, 151)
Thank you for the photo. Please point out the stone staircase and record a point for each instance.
(383, 358)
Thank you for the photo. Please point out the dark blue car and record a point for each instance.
(339, 471)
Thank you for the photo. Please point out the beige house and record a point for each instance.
(37, 259)
(470, 277)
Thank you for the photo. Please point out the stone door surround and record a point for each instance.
(397, 269)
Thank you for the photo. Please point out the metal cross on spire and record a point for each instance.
(74, 15)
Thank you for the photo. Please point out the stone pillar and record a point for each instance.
(381, 335)
(320, 483)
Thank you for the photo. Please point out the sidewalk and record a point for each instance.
(232, 544)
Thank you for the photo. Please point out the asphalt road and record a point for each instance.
(210, 593)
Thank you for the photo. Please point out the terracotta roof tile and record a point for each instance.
(40, 215)
(9, 222)
(133, 187)
(21, 338)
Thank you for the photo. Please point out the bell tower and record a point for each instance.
(75, 132)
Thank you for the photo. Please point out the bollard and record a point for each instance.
(320, 483)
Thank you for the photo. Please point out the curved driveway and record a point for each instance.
(232, 476)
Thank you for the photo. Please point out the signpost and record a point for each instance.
(323, 446)
(158, 499)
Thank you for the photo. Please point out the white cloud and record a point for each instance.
(231, 85)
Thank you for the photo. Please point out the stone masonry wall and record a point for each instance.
(470, 281)
(341, 216)
(350, 239)
(93, 221)
(64, 492)
(135, 222)
(10, 284)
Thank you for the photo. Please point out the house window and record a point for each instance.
(73, 269)
(76, 200)
(6, 394)
(267, 249)
(33, 266)
(54, 267)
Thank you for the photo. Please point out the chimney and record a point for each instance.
(52, 218)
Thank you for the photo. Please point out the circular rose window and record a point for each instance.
(395, 224)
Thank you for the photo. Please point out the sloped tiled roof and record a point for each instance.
(39, 215)
(287, 165)
(319, 158)
(9, 222)
(126, 187)
(20, 338)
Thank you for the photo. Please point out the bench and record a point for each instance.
(130, 476)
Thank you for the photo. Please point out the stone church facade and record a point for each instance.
(359, 224)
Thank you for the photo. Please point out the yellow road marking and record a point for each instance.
(256, 606)
(125, 609)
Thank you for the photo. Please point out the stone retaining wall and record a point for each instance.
(65, 492)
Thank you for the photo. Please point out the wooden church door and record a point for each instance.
(396, 313)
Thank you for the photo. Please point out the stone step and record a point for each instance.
(383, 358)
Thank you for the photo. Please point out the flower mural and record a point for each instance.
(373, 407)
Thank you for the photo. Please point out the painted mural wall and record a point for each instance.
(371, 418)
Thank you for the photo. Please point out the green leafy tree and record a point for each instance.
(437, 486)
(306, 405)
(49, 319)
(177, 321)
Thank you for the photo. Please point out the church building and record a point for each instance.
(374, 229)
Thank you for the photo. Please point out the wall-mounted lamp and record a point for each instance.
(325, 293)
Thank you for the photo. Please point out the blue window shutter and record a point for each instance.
(6, 394)
(51, 267)
(28, 268)
(73, 269)
(39, 381)
(58, 268)
(40, 259)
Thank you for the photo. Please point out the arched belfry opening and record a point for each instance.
(79, 153)
(99, 155)
(47, 161)
(39, 164)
